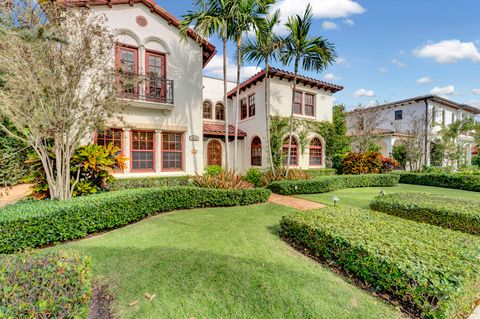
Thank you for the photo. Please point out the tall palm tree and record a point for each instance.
(312, 53)
(247, 15)
(263, 49)
(213, 17)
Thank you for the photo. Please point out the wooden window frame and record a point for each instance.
(310, 105)
(163, 76)
(300, 104)
(95, 138)
(153, 151)
(398, 115)
(251, 105)
(315, 148)
(221, 112)
(294, 147)
(118, 63)
(181, 151)
(243, 109)
(256, 152)
(211, 110)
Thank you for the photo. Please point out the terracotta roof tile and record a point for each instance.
(219, 129)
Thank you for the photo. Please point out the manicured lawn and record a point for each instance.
(220, 263)
(361, 197)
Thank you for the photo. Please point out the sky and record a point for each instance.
(387, 50)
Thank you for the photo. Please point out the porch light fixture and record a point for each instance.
(335, 200)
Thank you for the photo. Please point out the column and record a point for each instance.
(126, 148)
(469, 154)
(141, 69)
(158, 151)
(390, 141)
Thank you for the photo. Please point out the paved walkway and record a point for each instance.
(297, 203)
(14, 194)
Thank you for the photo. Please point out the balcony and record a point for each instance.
(148, 91)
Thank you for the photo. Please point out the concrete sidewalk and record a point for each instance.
(297, 203)
(11, 195)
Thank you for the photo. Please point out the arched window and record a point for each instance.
(220, 112)
(256, 152)
(207, 110)
(293, 151)
(316, 152)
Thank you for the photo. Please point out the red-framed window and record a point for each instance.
(256, 151)
(156, 73)
(243, 109)
(207, 110)
(110, 136)
(143, 151)
(293, 151)
(251, 105)
(220, 112)
(309, 104)
(172, 151)
(297, 104)
(127, 64)
(316, 152)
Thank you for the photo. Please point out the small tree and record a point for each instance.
(363, 124)
(58, 80)
(453, 148)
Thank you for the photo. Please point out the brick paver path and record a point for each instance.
(14, 194)
(293, 202)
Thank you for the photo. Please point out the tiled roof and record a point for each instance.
(430, 97)
(384, 132)
(219, 129)
(289, 76)
(208, 49)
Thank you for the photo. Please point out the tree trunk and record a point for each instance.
(225, 99)
(239, 66)
(267, 116)
(291, 118)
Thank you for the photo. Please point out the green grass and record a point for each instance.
(361, 197)
(220, 263)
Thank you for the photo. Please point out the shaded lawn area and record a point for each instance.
(220, 263)
(361, 197)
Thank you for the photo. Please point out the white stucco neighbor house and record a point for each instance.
(397, 121)
(174, 122)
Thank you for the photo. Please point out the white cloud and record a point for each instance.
(331, 77)
(329, 25)
(343, 62)
(424, 80)
(364, 93)
(372, 103)
(215, 68)
(476, 91)
(398, 63)
(475, 103)
(444, 91)
(349, 22)
(449, 51)
(401, 52)
(382, 70)
(322, 9)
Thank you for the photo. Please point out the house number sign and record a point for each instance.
(194, 138)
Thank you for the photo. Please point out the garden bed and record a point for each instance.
(447, 212)
(433, 271)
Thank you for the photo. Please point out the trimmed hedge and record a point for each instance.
(148, 182)
(432, 270)
(456, 214)
(321, 172)
(32, 224)
(52, 285)
(456, 181)
(332, 183)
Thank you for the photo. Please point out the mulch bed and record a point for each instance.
(101, 303)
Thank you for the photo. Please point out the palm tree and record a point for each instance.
(263, 49)
(213, 17)
(247, 15)
(312, 53)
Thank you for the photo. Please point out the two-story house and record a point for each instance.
(424, 115)
(174, 121)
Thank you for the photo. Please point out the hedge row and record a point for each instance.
(456, 181)
(321, 172)
(33, 224)
(332, 183)
(456, 214)
(434, 271)
(147, 182)
(52, 285)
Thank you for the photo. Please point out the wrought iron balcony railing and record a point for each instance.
(150, 87)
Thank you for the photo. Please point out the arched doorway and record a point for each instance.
(214, 153)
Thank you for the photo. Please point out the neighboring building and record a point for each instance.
(174, 122)
(396, 121)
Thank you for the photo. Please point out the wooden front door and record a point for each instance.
(214, 153)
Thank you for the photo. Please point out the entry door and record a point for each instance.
(214, 153)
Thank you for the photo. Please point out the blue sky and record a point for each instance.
(388, 49)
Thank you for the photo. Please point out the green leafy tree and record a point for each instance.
(453, 147)
(311, 53)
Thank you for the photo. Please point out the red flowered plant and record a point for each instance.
(367, 163)
(389, 164)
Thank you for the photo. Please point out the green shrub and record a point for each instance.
(320, 172)
(457, 214)
(333, 183)
(148, 182)
(52, 285)
(36, 223)
(456, 181)
(430, 269)
(213, 170)
(254, 176)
